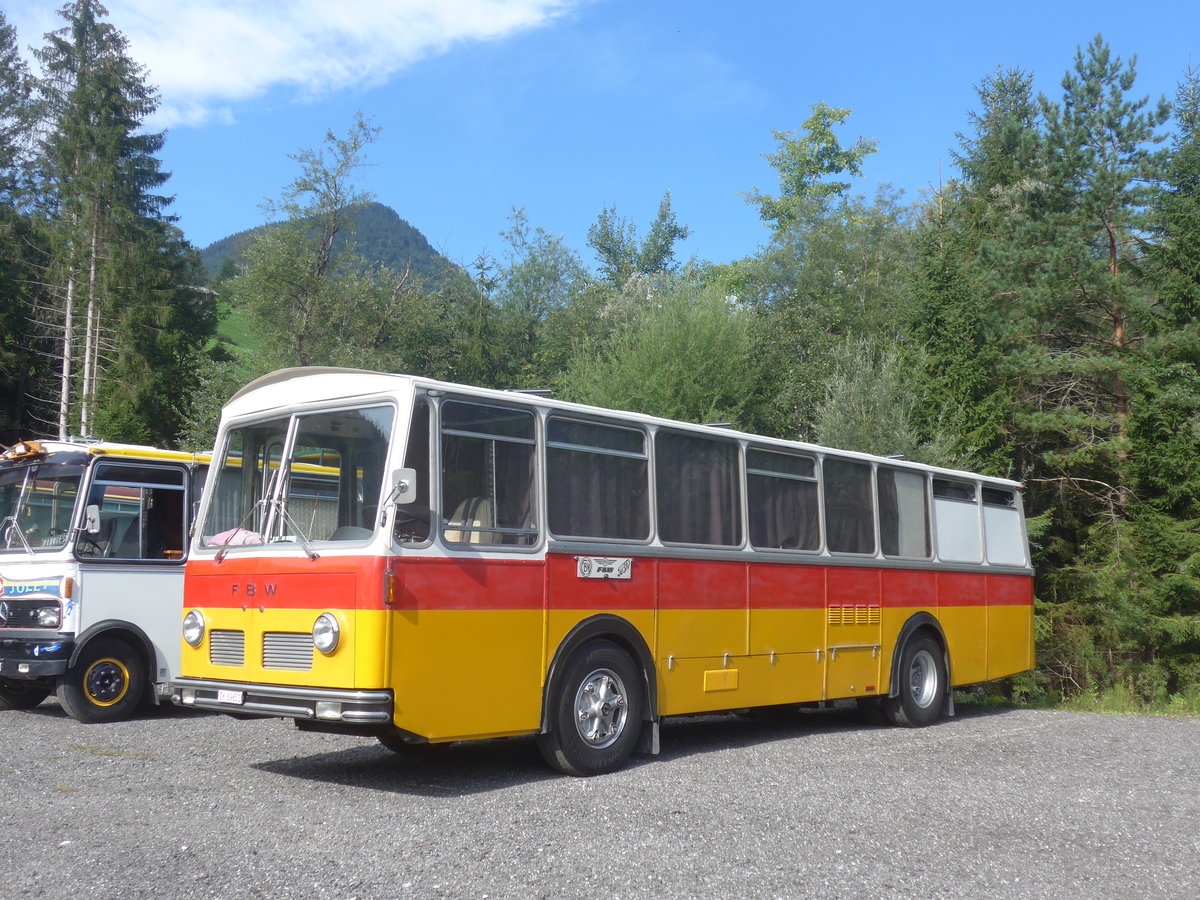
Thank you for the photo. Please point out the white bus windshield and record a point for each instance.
(36, 505)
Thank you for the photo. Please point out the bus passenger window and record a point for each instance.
(488, 465)
(597, 481)
(903, 513)
(698, 490)
(956, 516)
(849, 517)
(783, 501)
(1004, 537)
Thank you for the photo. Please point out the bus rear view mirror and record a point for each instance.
(404, 486)
(91, 519)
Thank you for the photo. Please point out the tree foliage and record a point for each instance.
(111, 317)
(1037, 317)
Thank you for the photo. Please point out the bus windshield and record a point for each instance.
(314, 477)
(36, 504)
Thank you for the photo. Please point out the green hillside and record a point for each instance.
(379, 234)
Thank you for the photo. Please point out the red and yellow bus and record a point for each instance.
(425, 562)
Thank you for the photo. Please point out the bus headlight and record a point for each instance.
(326, 633)
(49, 616)
(193, 628)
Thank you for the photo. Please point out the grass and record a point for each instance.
(1116, 701)
(1121, 701)
(235, 329)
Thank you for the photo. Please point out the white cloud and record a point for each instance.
(205, 56)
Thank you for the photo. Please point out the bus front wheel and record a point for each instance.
(596, 713)
(105, 684)
(922, 689)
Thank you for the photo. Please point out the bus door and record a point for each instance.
(135, 521)
(852, 594)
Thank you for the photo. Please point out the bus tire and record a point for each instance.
(22, 694)
(106, 683)
(596, 713)
(922, 688)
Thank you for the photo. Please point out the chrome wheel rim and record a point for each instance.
(923, 678)
(600, 709)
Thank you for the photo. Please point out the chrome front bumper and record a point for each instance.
(273, 700)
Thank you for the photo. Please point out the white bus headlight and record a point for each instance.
(49, 616)
(326, 633)
(193, 628)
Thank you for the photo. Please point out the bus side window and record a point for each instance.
(903, 513)
(141, 513)
(1004, 538)
(488, 468)
(412, 524)
(784, 513)
(956, 515)
(849, 517)
(698, 490)
(589, 465)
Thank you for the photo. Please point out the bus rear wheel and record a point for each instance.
(105, 684)
(596, 713)
(22, 694)
(923, 685)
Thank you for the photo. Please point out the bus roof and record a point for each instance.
(300, 386)
(32, 449)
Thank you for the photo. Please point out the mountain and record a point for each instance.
(380, 235)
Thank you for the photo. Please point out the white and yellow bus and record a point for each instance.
(93, 538)
(425, 562)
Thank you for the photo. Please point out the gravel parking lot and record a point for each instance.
(990, 804)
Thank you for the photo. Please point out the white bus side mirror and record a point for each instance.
(91, 519)
(404, 486)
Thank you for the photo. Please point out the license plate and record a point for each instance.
(234, 697)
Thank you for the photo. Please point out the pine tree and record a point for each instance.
(117, 273)
(18, 240)
(1062, 246)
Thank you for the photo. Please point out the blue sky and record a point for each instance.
(565, 108)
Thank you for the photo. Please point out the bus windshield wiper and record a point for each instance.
(302, 538)
(11, 521)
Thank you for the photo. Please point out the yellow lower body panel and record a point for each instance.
(1010, 640)
(713, 684)
(463, 674)
(967, 640)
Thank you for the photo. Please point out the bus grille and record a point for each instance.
(227, 648)
(287, 651)
(854, 615)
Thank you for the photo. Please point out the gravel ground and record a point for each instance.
(1008, 804)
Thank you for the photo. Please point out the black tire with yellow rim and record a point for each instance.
(106, 683)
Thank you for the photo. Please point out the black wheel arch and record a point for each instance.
(131, 634)
(922, 621)
(609, 628)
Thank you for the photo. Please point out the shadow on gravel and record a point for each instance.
(478, 767)
(457, 770)
(50, 709)
(685, 736)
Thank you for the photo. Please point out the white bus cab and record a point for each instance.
(93, 539)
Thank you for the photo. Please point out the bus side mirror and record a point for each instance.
(404, 486)
(91, 519)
